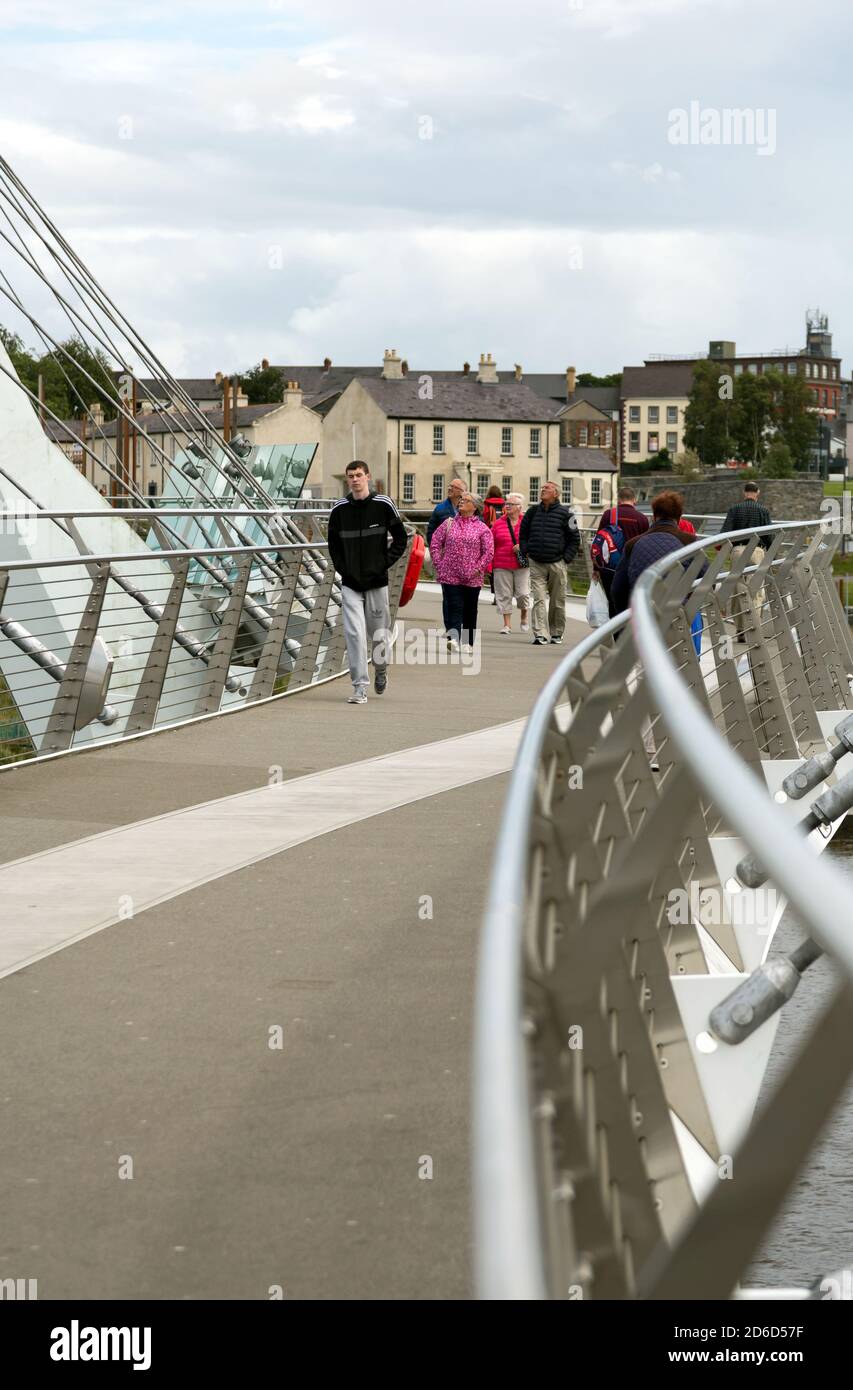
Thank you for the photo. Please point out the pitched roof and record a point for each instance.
(660, 379)
(198, 388)
(585, 461)
(550, 385)
(159, 422)
(603, 398)
(463, 399)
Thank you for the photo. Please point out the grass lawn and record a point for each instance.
(834, 489)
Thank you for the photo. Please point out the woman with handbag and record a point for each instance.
(510, 572)
(461, 551)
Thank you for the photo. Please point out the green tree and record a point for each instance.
(778, 461)
(708, 417)
(796, 424)
(590, 379)
(21, 358)
(753, 414)
(262, 385)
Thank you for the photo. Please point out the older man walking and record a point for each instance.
(549, 541)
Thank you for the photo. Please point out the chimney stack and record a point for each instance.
(392, 367)
(404, 367)
(292, 395)
(466, 367)
(96, 410)
(327, 363)
(518, 371)
(488, 371)
(265, 365)
(218, 378)
(571, 375)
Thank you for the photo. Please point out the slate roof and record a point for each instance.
(585, 461)
(158, 422)
(603, 398)
(464, 399)
(662, 379)
(550, 385)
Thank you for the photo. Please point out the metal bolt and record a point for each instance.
(743, 1014)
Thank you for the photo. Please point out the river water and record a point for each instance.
(813, 1234)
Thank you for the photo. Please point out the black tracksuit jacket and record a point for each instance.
(358, 540)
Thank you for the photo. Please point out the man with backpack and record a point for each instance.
(618, 526)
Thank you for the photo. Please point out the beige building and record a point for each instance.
(587, 481)
(417, 432)
(654, 399)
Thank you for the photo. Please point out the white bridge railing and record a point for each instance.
(664, 807)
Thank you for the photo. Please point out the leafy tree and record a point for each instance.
(98, 366)
(778, 461)
(688, 464)
(262, 385)
(590, 379)
(21, 358)
(753, 415)
(796, 425)
(708, 417)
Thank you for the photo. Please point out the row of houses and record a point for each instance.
(420, 429)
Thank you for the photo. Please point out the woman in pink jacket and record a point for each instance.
(461, 551)
(509, 576)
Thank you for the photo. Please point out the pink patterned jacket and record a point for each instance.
(461, 549)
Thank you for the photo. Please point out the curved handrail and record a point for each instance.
(509, 1257)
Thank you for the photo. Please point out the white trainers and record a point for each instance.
(505, 632)
(525, 627)
(358, 697)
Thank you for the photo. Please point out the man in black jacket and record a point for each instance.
(549, 540)
(749, 512)
(359, 527)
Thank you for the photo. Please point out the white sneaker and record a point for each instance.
(525, 627)
(358, 697)
(505, 631)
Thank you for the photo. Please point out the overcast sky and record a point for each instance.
(254, 180)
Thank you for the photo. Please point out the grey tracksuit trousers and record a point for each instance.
(367, 616)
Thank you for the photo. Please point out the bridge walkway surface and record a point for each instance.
(169, 903)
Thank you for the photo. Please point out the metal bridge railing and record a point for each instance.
(608, 1111)
(97, 646)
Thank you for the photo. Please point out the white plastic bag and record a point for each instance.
(597, 611)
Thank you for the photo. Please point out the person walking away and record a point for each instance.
(661, 538)
(749, 512)
(510, 575)
(493, 505)
(549, 541)
(366, 537)
(462, 550)
(449, 507)
(612, 535)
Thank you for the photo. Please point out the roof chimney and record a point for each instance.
(488, 371)
(292, 395)
(392, 367)
(518, 371)
(327, 362)
(571, 375)
(265, 364)
(218, 378)
(466, 367)
(404, 367)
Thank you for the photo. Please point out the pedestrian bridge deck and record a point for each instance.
(149, 1038)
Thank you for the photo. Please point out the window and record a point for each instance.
(654, 441)
(671, 441)
(408, 487)
(654, 414)
(484, 482)
(506, 439)
(473, 439)
(582, 435)
(408, 439)
(536, 442)
(823, 371)
(438, 439)
(835, 374)
(437, 487)
(595, 492)
(633, 414)
(792, 369)
(752, 367)
(672, 415)
(566, 491)
(634, 442)
(533, 493)
(608, 435)
(506, 484)
(738, 369)
(808, 369)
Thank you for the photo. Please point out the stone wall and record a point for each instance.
(787, 499)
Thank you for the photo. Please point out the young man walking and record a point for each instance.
(360, 525)
(549, 540)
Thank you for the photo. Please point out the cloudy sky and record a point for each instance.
(302, 178)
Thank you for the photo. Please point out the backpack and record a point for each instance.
(609, 543)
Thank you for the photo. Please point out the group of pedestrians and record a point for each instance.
(527, 556)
